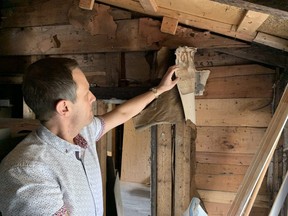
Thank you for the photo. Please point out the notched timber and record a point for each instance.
(131, 35)
(99, 21)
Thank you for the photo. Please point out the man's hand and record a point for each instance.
(168, 81)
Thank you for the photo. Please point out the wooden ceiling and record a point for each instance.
(250, 22)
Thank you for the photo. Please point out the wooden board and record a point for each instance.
(38, 13)
(243, 81)
(217, 209)
(253, 112)
(131, 35)
(164, 170)
(135, 165)
(245, 140)
(224, 158)
(184, 186)
(223, 182)
(228, 197)
(210, 58)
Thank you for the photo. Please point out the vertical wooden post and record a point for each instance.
(154, 170)
(184, 189)
(164, 170)
(102, 151)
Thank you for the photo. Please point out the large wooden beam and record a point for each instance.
(255, 174)
(267, 56)
(264, 6)
(131, 35)
(47, 12)
(272, 41)
(149, 5)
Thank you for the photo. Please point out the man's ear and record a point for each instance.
(62, 107)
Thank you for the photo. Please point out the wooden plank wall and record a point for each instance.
(231, 116)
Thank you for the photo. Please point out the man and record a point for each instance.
(55, 169)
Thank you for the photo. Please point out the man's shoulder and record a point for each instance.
(25, 152)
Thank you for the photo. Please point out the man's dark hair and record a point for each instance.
(46, 82)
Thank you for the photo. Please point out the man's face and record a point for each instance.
(82, 108)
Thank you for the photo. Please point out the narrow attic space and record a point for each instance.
(215, 143)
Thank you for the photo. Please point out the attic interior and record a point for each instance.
(233, 157)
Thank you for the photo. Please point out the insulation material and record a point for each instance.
(191, 82)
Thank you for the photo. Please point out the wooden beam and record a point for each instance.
(272, 41)
(267, 56)
(194, 16)
(169, 25)
(251, 22)
(149, 5)
(132, 35)
(86, 4)
(257, 7)
(47, 12)
(263, 157)
(211, 21)
(185, 166)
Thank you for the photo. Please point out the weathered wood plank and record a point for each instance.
(184, 183)
(244, 140)
(251, 22)
(217, 209)
(164, 170)
(261, 7)
(131, 35)
(267, 56)
(224, 182)
(272, 41)
(211, 58)
(223, 158)
(238, 70)
(135, 165)
(207, 9)
(228, 197)
(220, 169)
(207, 17)
(239, 81)
(238, 86)
(149, 5)
(46, 12)
(253, 112)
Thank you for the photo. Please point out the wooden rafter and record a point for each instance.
(205, 19)
(268, 56)
(256, 7)
(149, 5)
(272, 41)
